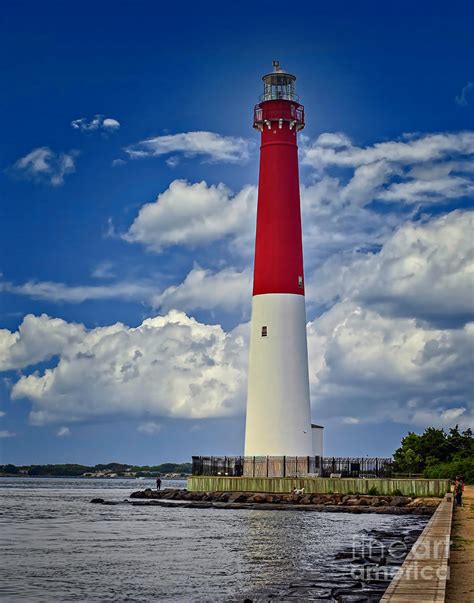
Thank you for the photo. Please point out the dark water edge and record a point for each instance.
(59, 547)
(357, 574)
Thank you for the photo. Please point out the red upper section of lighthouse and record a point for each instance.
(278, 250)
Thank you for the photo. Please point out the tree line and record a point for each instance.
(437, 454)
(76, 470)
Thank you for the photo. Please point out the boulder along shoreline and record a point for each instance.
(339, 503)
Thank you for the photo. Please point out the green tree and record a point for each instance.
(435, 452)
(11, 469)
(461, 444)
(411, 461)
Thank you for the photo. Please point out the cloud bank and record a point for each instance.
(396, 344)
(380, 368)
(170, 366)
(425, 270)
(389, 288)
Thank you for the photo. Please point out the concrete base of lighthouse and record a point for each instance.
(278, 419)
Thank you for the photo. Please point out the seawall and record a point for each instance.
(319, 485)
(423, 576)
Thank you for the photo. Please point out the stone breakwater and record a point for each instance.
(400, 505)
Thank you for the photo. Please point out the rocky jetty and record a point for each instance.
(355, 503)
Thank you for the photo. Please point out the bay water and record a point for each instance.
(57, 546)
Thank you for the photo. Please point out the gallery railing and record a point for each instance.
(292, 466)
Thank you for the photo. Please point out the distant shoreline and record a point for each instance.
(89, 477)
(99, 470)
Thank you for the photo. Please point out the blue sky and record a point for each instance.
(128, 168)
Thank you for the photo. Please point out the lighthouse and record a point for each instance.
(278, 421)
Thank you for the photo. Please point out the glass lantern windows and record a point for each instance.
(278, 87)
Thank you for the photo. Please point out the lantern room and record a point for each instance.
(279, 102)
(278, 85)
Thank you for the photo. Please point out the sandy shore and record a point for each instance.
(460, 587)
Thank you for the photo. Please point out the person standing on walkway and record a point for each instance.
(458, 490)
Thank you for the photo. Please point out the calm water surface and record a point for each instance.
(59, 547)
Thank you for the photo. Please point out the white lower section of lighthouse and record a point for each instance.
(278, 404)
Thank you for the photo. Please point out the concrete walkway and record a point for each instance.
(460, 588)
(422, 577)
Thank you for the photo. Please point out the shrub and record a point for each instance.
(373, 491)
(464, 467)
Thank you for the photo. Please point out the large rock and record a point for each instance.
(376, 501)
(352, 502)
(237, 497)
(399, 501)
(148, 493)
(257, 498)
(424, 502)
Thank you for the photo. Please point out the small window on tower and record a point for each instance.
(264, 331)
(300, 282)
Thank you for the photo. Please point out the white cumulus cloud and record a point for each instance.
(423, 169)
(110, 124)
(202, 289)
(63, 432)
(395, 341)
(338, 214)
(37, 339)
(99, 122)
(425, 270)
(194, 214)
(169, 365)
(378, 368)
(44, 165)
